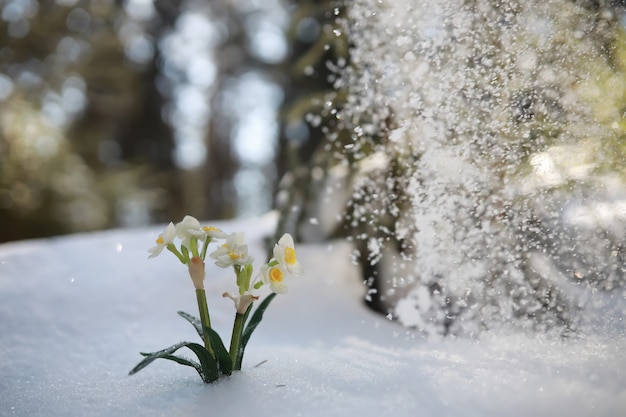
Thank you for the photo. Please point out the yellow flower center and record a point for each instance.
(159, 240)
(210, 229)
(290, 256)
(234, 256)
(276, 275)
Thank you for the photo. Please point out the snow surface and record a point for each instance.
(75, 311)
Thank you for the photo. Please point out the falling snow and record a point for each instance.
(483, 126)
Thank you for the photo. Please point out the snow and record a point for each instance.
(493, 156)
(75, 311)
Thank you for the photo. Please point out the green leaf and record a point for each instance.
(151, 357)
(221, 354)
(183, 361)
(186, 362)
(207, 368)
(208, 362)
(252, 325)
(194, 321)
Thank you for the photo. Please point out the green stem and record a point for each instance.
(179, 255)
(193, 245)
(205, 246)
(204, 317)
(235, 340)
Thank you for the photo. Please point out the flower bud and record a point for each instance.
(242, 302)
(196, 272)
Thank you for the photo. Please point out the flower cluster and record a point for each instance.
(282, 264)
(231, 251)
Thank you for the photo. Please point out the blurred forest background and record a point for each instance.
(122, 113)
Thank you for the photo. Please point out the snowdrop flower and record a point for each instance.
(233, 252)
(285, 254)
(196, 272)
(242, 302)
(274, 275)
(164, 239)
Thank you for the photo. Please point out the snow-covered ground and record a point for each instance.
(75, 311)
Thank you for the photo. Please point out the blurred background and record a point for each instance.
(122, 113)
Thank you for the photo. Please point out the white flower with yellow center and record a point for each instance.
(214, 232)
(274, 275)
(164, 239)
(233, 252)
(285, 254)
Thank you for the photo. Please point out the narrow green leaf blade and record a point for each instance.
(186, 362)
(197, 324)
(239, 355)
(183, 361)
(207, 362)
(256, 318)
(151, 357)
(222, 355)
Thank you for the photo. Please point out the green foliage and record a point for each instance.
(213, 364)
(221, 354)
(207, 369)
(210, 367)
(251, 326)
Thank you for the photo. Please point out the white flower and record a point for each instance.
(274, 275)
(285, 254)
(189, 226)
(187, 229)
(214, 232)
(242, 302)
(233, 252)
(196, 272)
(164, 239)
